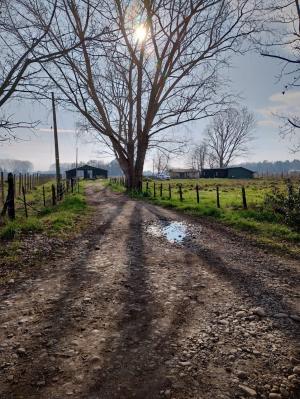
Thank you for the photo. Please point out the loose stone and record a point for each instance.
(296, 370)
(248, 391)
(259, 312)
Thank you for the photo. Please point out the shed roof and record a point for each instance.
(86, 167)
(182, 170)
(230, 168)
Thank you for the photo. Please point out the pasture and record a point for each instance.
(256, 218)
(40, 215)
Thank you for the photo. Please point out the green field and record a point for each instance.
(52, 220)
(257, 220)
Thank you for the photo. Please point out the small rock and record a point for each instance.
(167, 393)
(41, 383)
(241, 374)
(248, 391)
(274, 396)
(11, 281)
(284, 392)
(241, 313)
(224, 322)
(187, 363)
(296, 370)
(280, 315)
(10, 378)
(21, 351)
(259, 312)
(295, 317)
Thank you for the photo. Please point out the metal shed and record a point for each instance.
(235, 172)
(86, 172)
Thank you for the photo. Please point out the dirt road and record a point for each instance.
(123, 313)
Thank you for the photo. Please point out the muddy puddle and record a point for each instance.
(174, 232)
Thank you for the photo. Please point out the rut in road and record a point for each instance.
(125, 314)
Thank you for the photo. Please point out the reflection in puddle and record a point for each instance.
(172, 231)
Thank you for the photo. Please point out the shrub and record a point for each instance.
(286, 204)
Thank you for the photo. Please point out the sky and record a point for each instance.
(252, 75)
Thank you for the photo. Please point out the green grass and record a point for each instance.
(260, 223)
(59, 220)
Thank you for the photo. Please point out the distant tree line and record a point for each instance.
(276, 167)
(15, 166)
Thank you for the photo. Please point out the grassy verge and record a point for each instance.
(56, 220)
(259, 224)
(61, 221)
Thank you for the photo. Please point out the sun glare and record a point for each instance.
(140, 33)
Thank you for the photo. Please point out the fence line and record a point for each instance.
(196, 194)
(26, 184)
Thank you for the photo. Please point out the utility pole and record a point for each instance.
(58, 177)
(76, 160)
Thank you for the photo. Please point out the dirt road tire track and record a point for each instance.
(127, 315)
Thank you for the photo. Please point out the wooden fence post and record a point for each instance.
(147, 187)
(15, 184)
(9, 204)
(170, 191)
(20, 183)
(161, 189)
(154, 190)
(78, 186)
(44, 196)
(218, 197)
(197, 192)
(2, 188)
(180, 192)
(244, 198)
(11, 196)
(53, 195)
(24, 200)
(72, 185)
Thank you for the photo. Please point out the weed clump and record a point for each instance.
(286, 203)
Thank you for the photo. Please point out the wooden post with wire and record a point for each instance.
(20, 183)
(24, 201)
(2, 188)
(197, 193)
(53, 195)
(244, 198)
(218, 197)
(180, 192)
(9, 204)
(44, 196)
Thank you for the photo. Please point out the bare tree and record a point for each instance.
(157, 65)
(24, 42)
(16, 28)
(229, 134)
(284, 45)
(199, 156)
(161, 161)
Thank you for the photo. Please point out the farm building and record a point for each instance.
(86, 172)
(237, 172)
(183, 173)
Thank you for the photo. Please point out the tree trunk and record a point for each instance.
(132, 166)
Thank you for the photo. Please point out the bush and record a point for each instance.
(286, 204)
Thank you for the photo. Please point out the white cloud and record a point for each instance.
(287, 104)
(47, 130)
